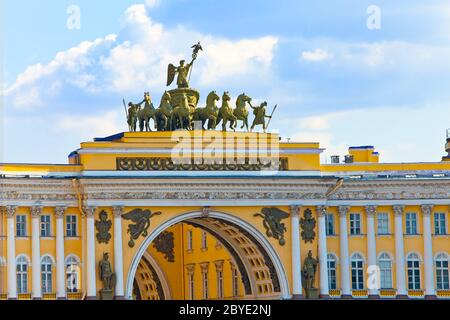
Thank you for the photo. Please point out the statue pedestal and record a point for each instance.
(192, 95)
(312, 293)
(106, 294)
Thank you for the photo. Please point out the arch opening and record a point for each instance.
(215, 257)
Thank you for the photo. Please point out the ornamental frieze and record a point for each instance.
(167, 164)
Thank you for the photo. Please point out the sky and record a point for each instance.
(342, 73)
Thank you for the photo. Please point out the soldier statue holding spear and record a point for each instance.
(260, 115)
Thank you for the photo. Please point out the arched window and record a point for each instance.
(72, 274)
(22, 274)
(442, 280)
(357, 272)
(413, 271)
(331, 263)
(46, 274)
(385, 265)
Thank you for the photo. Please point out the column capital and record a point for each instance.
(89, 211)
(398, 210)
(118, 211)
(321, 210)
(219, 265)
(294, 210)
(371, 210)
(204, 267)
(60, 211)
(343, 210)
(426, 209)
(36, 211)
(11, 211)
(190, 268)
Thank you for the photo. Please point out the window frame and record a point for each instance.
(46, 274)
(22, 269)
(385, 223)
(442, 272)
(73, 226)
(45, 226)
(22, 224)
(413, 271)
(409, 224)
(358, 222)
(329, 222)
(332, 271)
(357, 271)
(440, 227)
(385, 272)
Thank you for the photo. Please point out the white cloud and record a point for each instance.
(316, 55)
(136, 60)
(151, 3)
(88, 126)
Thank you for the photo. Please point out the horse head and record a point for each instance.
(212, 97)
(226, 96)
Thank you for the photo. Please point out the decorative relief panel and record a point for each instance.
(166, 164)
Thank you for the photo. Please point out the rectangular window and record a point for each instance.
(411, 223)
(439, 223)
(355, 223)
(46, 277)
(71, 226)
(329, 222)
(22, 278)
(189, 240)
(191, 285)
(442, 278)
(204, 240)
(331, 274)
(21, 226)
(235, 282)
(385, 274)
(45, 226)
(383, 223)
(205, 285)
(413, 275)
(219, 284)
(357, 275)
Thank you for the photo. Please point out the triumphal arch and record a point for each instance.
(175, 209)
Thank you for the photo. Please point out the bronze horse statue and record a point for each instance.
(208, 113)
(226, 113)
(241, 113)
(163, 114)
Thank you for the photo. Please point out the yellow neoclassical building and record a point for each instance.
(147, 215)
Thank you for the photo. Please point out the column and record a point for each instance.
(297, 292)
(118, 254)
(344, 258)
(91, 291)
(36, 290)
(323, 252)
(60, 256)
(11, 249)
(371, 247)
(428, 252)
(399, 252)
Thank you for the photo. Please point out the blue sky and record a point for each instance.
(335, 81)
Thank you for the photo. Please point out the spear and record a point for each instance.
(274, 108)
(126, 113)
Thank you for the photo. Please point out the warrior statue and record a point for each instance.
(309, 271)
(106, 275)
(260, 115)
(132, 115)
